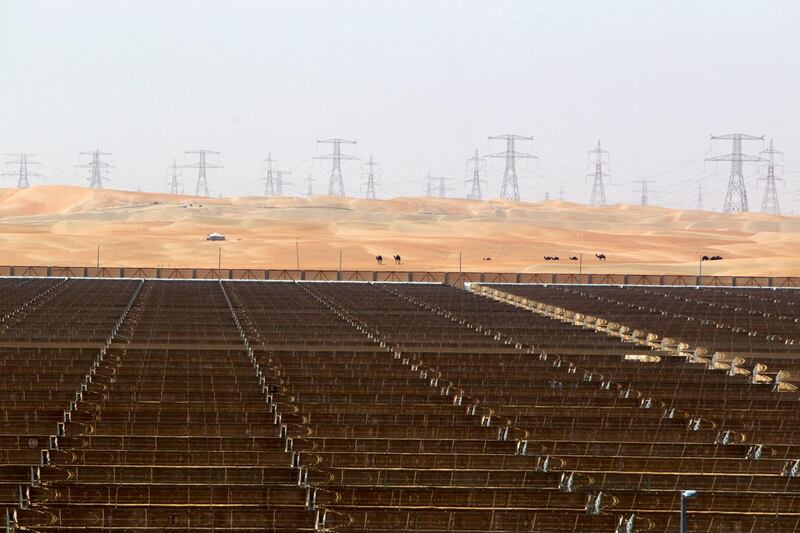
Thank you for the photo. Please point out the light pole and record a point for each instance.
(685, 495)
(700, 266)
(297, 252)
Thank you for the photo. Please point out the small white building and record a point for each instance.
(215, 237)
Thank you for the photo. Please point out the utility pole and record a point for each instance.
(736, 196)
(202, 165)
(173, 184)
(769, 204)
(699, 204)
(598, 189)
(97, 168)
(22, 161)
(475, 189)
(510, 189)
(370, 179)
(643, 199)
(336, 184)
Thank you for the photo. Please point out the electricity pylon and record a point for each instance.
(336, 183)
(598, 188)
(510, 189)
(736, 196)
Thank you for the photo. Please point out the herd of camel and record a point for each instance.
(600, 257)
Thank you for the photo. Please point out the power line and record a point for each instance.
(22, 160)
(769, 203)
(202, 165)
(510, 189)
(598, 189)
(97, 168)
(336, 183)
(736, 196)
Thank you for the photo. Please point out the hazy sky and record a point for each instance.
(420, 85)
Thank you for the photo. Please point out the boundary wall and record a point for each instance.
(456, 279)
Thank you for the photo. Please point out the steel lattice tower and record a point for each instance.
(475, 192)
(22, 174)
(336, 184)
(769, 204)
(643, 199)
(202, 165)
(173, 183)
(736, 196)
(279, 174)
(699, 204)
(598, 188)
(97, 168)
(370, 195)
(510, 189)
(270, 187)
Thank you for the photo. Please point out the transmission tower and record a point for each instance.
(561, 193)
(269, 186)
(173, 183)
(336, 185)
(23, 173)
(643, 200)
(598, 189)
(736, 197)
(279, 174)
(310, 184)
(97, 168)
(769, 204)
(475, 192)
(202, 165)
(699, 204)
(370, 195)
(510, 189)
(436, 186)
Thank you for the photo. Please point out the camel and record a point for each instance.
(379, 259)
(601, 257)
(573, 258)
(396, 259)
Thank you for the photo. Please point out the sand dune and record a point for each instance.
(57, 225)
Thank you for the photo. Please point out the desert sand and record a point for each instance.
(62, 226)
